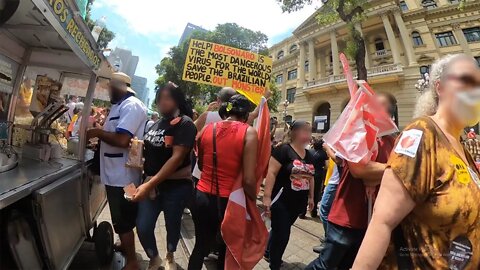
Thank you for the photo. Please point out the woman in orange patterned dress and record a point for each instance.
(427, 214)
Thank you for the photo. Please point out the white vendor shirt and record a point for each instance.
(128, 116)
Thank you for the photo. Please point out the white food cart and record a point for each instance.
(48, 205)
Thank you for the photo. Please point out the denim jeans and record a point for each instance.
(341, 247)
(282, 220)
(171, 199)
(207, 219)
(326, 204)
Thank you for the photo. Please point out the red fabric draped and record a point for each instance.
(243, 229)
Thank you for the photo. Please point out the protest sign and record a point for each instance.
(216, 64)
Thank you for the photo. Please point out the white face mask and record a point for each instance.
(467, 107)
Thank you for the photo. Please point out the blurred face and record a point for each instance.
(459, 92)
(385, 104)
(116, 90)
(302, 135)
(165, 103)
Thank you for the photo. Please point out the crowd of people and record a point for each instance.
(425, 184)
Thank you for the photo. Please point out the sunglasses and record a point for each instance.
(467, 80)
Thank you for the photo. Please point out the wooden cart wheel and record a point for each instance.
(103, 238)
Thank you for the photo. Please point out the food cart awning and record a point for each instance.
(56, 37)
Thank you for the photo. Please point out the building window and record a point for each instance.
(330, 58)
(292, 74)
(429, 4)
(472, 34)
(306, 66)
(424, 70)
(279, 79)
(280, 55)
(379, 46)
(403, 6)
(478, 60)
(291, 94)
(293, 48)
(446, 39)
(417, 39)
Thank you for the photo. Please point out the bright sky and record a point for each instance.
(150, 27)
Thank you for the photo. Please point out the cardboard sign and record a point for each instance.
(215, 64)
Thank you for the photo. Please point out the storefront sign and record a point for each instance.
(78, 87)
(8, 70)
(65, 16)
(215, 64)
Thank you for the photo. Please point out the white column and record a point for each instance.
(322, 65)
(461, 39)
(335, 57)
(312, 61)
(391, 38)
(407, 40)
(358, 27)
(301, 66)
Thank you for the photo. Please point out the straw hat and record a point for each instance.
(122, 78)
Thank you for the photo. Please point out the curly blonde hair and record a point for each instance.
(427, 104)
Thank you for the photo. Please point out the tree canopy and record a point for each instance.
(230, 34)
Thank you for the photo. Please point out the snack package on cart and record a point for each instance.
(135, 154)
(354, 134)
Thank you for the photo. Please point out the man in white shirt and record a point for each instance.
(126, 120)
(71, 106)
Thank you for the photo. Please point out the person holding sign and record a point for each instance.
(428, 200)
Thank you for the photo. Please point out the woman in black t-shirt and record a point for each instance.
(167, 172)
(290, 183)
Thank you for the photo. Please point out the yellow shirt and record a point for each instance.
(443, 230)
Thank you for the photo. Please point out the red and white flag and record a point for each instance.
(243, 229)
(354, 134)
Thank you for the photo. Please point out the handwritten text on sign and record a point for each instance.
(215, 64)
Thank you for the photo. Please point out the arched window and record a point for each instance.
(429, 4)
(293, 48)
(321, 118)
(417, 39)
(379, 45)
(280, 54)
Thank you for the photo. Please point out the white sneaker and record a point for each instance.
(155, 263)
(170, 263)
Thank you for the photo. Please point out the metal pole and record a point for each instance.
(85, 116)
(16, 89)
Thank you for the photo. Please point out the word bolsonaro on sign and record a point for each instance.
(215, 64)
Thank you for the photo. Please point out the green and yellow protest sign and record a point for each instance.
(216, 64)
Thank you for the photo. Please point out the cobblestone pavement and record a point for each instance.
(304, 236)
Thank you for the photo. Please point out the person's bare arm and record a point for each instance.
(250, 163)
(392, 205)
(371, 173)
(273, 169)
(112, 138)
(253, 115)
(331, 154)
(200, 123)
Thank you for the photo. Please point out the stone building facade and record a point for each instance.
(402, 41)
